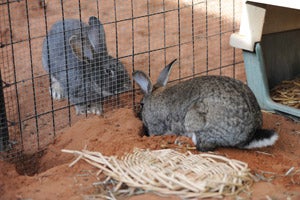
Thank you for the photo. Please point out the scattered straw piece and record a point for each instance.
(287, 93)
(169, 172)
(289, 171)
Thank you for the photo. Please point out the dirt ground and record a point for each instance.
(119, 131)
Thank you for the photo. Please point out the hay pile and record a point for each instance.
(287, 93)
(169, 172)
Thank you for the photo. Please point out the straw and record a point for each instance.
(287, 93)
(168, 172)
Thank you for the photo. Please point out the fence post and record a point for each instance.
(4, 136)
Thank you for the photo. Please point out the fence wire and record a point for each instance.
(53, 67)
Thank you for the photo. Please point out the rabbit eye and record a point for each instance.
(110, 72)
(142, 104)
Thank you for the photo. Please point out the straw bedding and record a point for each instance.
(287, 93)
(170, 172)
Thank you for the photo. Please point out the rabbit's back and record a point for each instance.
(216, 107)
(214, 90)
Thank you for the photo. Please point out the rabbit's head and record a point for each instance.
(148, 88)
(116, 79)
(108, 75)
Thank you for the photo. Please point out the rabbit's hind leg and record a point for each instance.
(205, 145)
(200, 144)
(56, 90)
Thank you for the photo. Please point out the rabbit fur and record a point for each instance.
(215, 111)
(75, 55)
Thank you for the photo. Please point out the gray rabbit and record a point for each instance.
(75, 55)
(215, 111)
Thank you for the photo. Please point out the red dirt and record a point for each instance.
(118, 132)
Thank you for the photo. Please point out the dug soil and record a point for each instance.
(276, 169)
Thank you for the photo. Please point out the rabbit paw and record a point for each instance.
(57, 91)
(80, 109)
(93, 108)
(192, 135)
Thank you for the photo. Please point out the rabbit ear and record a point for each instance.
(96, 35)
(143, 81)
(164, 75)
(81, 48)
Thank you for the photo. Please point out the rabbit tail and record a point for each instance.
(262, 138)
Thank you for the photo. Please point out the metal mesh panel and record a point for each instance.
(45, 79)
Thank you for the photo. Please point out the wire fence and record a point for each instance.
(55, 70)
